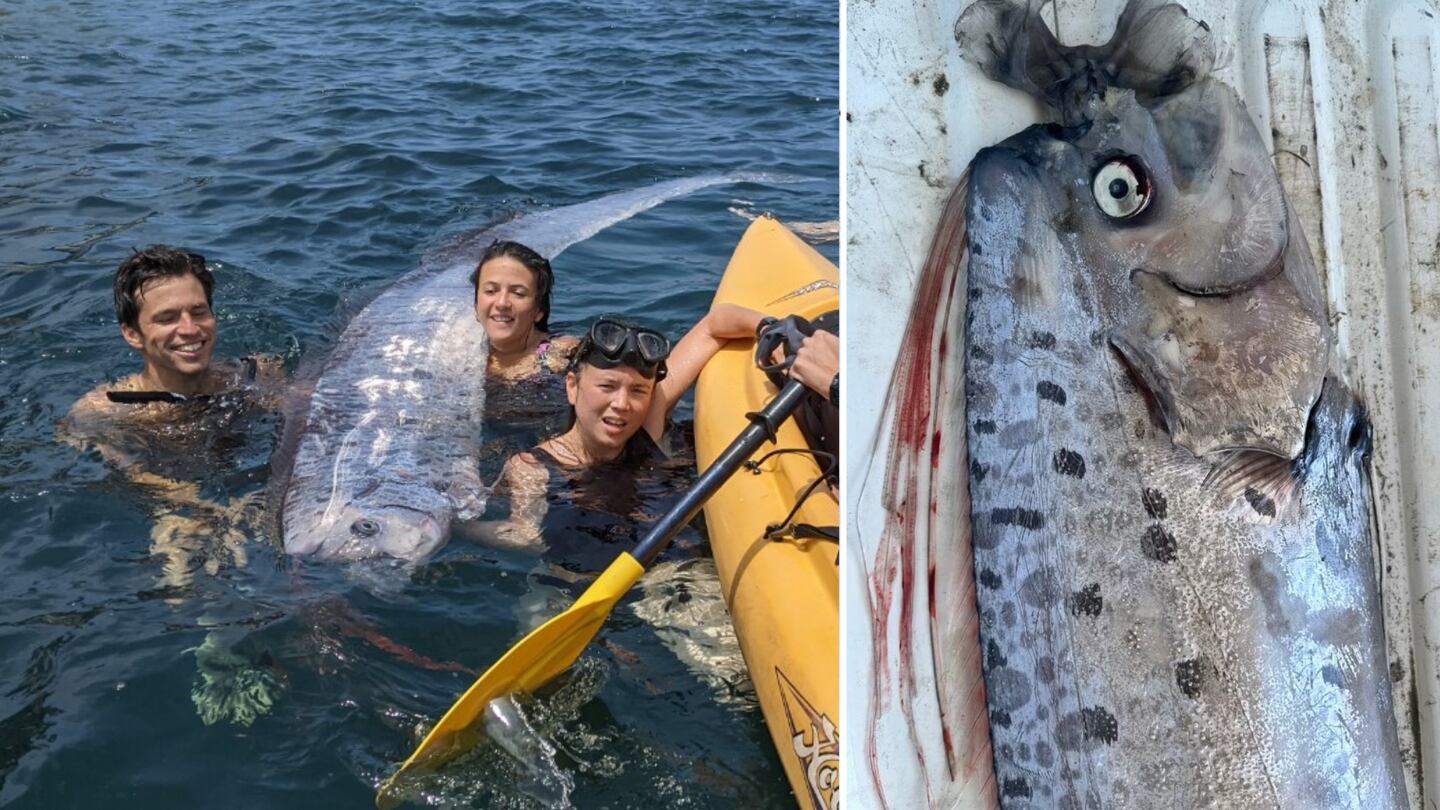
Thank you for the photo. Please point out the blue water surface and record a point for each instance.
(314, 152)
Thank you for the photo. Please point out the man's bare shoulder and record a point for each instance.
(94, 407)
(94, 419)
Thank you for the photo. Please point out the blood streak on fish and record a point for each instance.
(964, 740)
(1143, 391)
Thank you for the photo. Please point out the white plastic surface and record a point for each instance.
(1348, 94)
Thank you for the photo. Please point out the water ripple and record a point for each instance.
(314, 152)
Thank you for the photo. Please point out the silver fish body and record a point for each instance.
(1168, 497)
(385, 457)
(1151, 637)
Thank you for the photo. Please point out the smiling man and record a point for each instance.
(172, 424)
(163, 301)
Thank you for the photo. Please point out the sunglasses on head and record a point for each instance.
(619, 344)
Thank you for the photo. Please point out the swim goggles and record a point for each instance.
(611, 343)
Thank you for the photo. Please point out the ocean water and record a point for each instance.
(315, 152)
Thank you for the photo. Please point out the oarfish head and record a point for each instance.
(1163, 215)
(409, 522)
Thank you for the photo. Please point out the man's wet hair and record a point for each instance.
(538, 265)
(151, 264)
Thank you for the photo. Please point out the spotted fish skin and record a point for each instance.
(1150, 638)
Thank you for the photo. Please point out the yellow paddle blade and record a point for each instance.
(533, 661)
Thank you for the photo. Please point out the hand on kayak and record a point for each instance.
(817, 362)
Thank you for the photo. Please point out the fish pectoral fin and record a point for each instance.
(1260, 484)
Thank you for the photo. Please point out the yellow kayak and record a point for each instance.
(784, 595)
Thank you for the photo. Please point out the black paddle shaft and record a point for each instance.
(762, 426)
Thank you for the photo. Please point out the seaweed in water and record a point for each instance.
(230, 688)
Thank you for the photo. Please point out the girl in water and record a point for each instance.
(581, 497)
(525, 371)
(622, 384)
(512, 302)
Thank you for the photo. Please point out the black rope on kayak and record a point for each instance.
(803, 531)
(800, 531)
(820, 455)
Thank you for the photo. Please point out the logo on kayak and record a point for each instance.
(806, 290)
(816, 744)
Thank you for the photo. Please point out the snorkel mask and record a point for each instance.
(611, 344)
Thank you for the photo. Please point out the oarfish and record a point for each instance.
(1139, 489)
(384, 457)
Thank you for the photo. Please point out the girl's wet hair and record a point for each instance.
(153, 263)
(538, 265)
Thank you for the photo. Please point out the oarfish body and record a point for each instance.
(1172, 598)
(385, 457)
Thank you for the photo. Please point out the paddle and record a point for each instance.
(556, 644)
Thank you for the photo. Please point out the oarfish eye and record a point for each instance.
(364, 527)
(1121, 188)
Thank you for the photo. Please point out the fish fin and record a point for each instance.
(1010, 43)
(1157, 50)
(1267, 487)
(1258, 484)
(924, 560)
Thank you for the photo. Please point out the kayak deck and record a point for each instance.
(783, 594)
